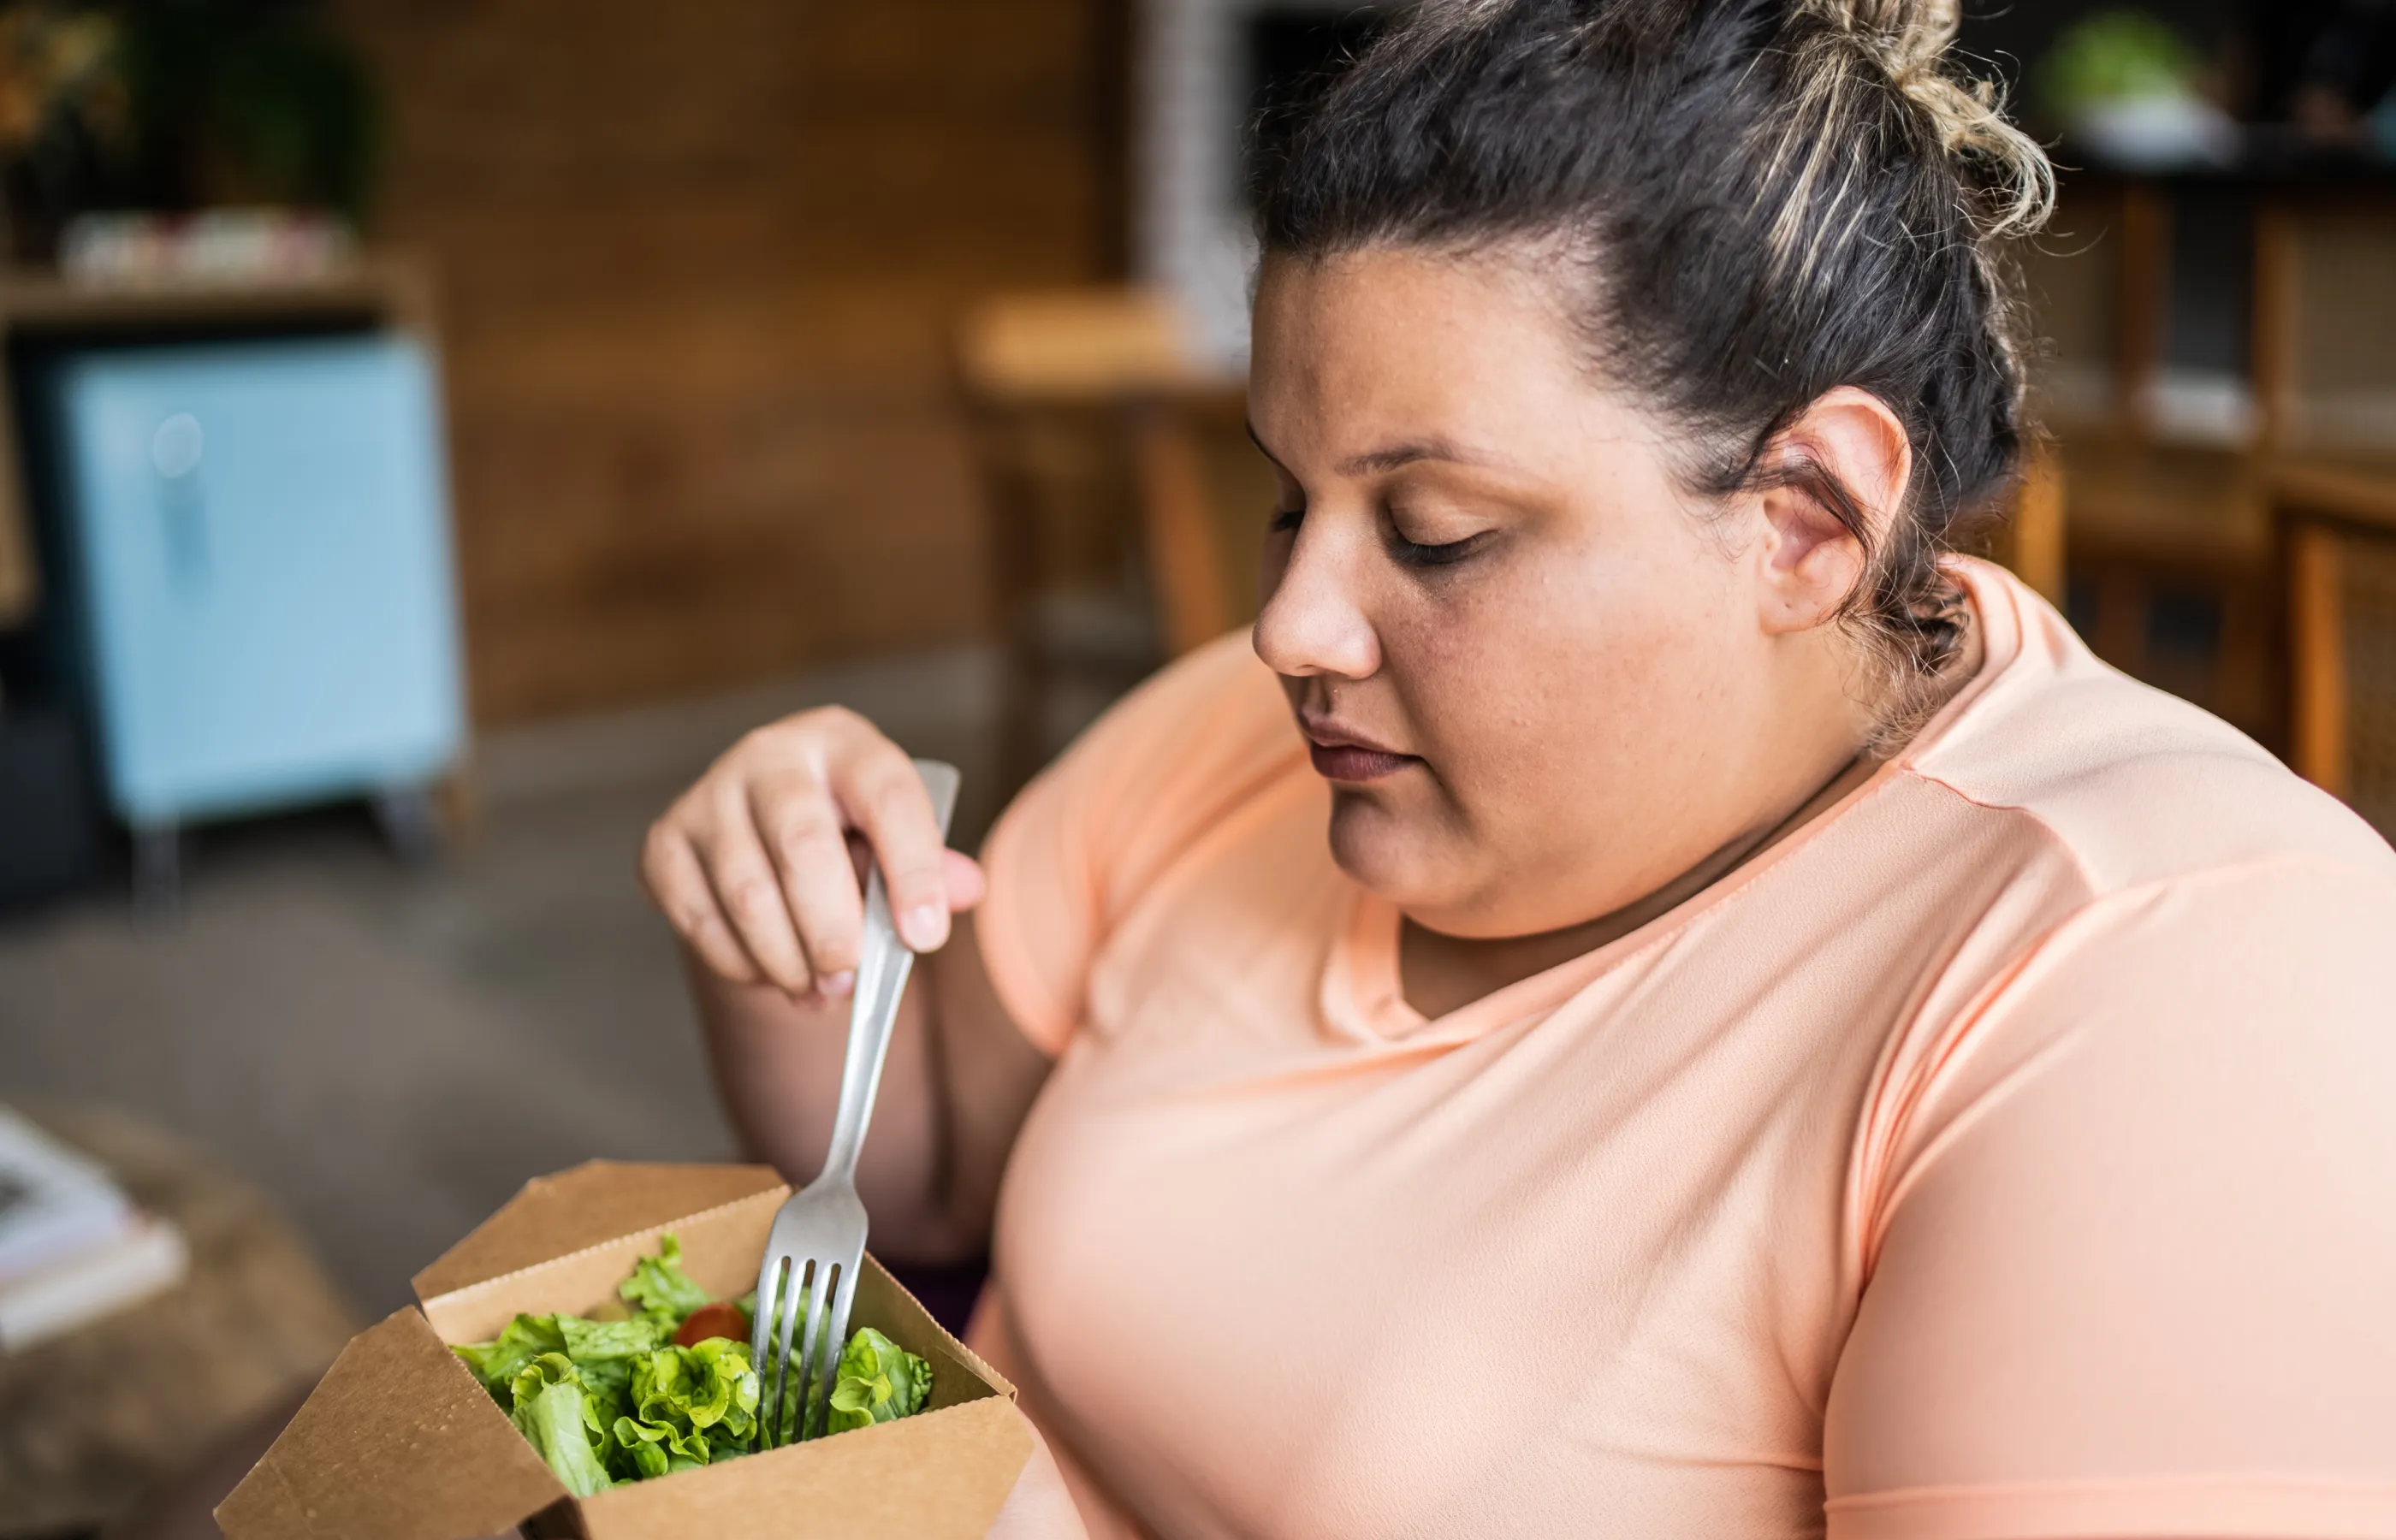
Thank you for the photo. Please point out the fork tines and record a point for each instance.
(792, 1406)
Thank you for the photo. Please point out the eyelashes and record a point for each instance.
(1413, 555)
(1405, 552)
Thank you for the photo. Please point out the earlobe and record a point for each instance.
(1848, 465)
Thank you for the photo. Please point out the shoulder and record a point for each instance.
(2137, 786)
(1215, 709)
(2139, 1210)
(1196, 741)
(1134, 793)
(2176, 903)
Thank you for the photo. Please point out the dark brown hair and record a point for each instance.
(1763, 200)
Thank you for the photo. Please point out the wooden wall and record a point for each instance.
(698, 262)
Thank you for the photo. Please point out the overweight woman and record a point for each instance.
(1644, 1000)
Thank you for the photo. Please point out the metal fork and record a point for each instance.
(817, 1241)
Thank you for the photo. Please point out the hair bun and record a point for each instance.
(1907, 35)
(1909, 39)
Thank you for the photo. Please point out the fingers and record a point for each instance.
(749, 891)
(803, 834)
(678, 885)
(753, 865)
(886, 800)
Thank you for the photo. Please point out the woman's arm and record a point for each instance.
(756, 868)
(954, 1089)
(2136, 1234)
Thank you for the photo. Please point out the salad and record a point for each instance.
(661, 1381)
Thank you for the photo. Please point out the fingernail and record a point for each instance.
(839, 984)
(924, 926)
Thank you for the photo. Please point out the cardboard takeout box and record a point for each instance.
(400, 1443)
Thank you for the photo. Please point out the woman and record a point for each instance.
(1777, 1036)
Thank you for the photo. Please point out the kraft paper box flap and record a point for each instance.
(934, 1476)
(397, 1443)
(596, 1202)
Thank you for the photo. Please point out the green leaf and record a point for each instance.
(605, 1350)
(877, 1381)
(659, 1449)
(619, 1399)
(553, 1411)
(659, 1289)
(497, 1362)
(689, 1406)
(2114, 56)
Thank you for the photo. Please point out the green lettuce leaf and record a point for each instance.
(689, 1406)
(703, 1385)
(497, 1362)
(652, 1449)
(877, 1381)
(605, 1350)
(659, 1289)
(619, 1401)
(730, 1425)
(555, 1411)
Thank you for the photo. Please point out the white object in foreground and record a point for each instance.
(146, 1258)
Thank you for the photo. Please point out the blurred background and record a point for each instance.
(431, 431)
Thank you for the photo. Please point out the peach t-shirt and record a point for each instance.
(2009, 1153)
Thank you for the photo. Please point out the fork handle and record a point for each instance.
(882, 972)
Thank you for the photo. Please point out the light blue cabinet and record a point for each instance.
(259, 538)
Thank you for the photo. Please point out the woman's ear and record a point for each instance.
(1810, 561)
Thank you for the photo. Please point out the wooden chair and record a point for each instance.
(2154, 519)
(2152, 516)
(1084, 405)
(2029, 541)
(2337, 530)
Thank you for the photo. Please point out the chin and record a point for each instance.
(1382, 849)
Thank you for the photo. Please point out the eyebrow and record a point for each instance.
(1381, 461)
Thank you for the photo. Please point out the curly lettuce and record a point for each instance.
(660, 1290)
(622, 1400)
(877, 1380)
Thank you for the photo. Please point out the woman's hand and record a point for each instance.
(759, 865)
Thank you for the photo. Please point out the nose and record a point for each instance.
(1313, 620)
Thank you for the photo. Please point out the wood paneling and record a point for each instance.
(698, 265)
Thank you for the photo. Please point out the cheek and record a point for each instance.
(1577, 665)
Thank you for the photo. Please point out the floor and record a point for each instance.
(391, 1052)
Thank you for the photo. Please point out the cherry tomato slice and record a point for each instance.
(719, 1320)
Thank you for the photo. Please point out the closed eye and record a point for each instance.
(1410, 553)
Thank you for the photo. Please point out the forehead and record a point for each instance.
(1364, 346)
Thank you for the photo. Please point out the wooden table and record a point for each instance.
(91, 1421)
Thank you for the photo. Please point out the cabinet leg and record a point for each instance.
(410, 822)
(460, 805)
(158, 872)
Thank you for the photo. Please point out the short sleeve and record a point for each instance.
(2135, 1272)
(1080, 843)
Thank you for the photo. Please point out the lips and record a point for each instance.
(1342, 755)
(1346, 762)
